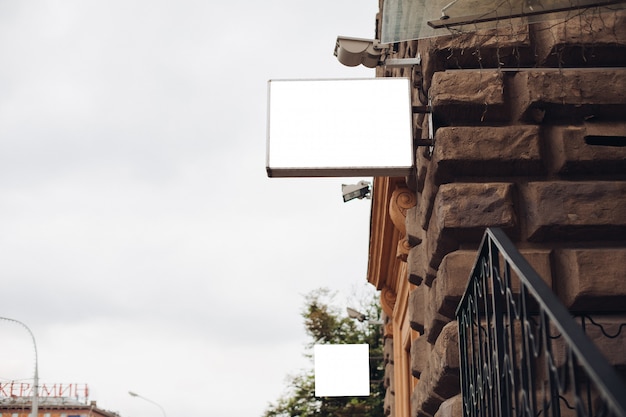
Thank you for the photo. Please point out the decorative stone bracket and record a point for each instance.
(402, 199)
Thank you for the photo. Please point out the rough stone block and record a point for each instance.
(467, 88)
(609, 336)
(560, 210)
(452, 407)
(494, 47)
(388, 350)
(586, 149)
(426, 401)
(431, 404)
(540, 261)
(462, 208)
(389, 404)
(594, 39)
(420, 352)
(422, 161)
(421, 413)
(468, 96)
(591, 279)
(416, 309)
(462, 211)
(452, 280)
(431, 274)
(417, 265)
(416, 398)
(443, 375)
(426, 199)
(414, 233)
(568, 94)
(440, 377)
(433, 321)
(487, 151)
(455, 270)
(439, 245)
(388, 381)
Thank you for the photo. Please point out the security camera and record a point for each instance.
(359, 190)
(354, 51)
(354, 314)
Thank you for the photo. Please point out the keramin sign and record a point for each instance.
(23, 389)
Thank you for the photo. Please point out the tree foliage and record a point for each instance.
(325, 324)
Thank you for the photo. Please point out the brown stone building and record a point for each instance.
(52, 407)
(528, 134)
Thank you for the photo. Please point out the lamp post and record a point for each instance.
(35, 403)
(132, 394)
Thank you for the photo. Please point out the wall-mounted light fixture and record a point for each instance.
(352, 52)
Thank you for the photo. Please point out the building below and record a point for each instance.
(52, 407)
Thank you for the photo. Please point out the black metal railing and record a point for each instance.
(522, 353)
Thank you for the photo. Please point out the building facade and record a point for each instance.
(52, 407)
(527, 133)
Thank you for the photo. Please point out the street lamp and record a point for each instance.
(132, 394)
(35, 404)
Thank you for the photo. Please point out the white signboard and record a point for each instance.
(339, 128)
(341, 370)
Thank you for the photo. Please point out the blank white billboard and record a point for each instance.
(339, 128)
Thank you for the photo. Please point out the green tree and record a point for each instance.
(325, 324)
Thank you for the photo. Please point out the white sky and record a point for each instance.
(140, 239)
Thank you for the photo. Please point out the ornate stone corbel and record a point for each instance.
(388, 300)
(403, 248)
(402, 199)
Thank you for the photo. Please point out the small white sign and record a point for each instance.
(342, 370)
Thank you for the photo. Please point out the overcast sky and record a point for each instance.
(140, 238)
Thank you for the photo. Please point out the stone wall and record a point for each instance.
(529, 135)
